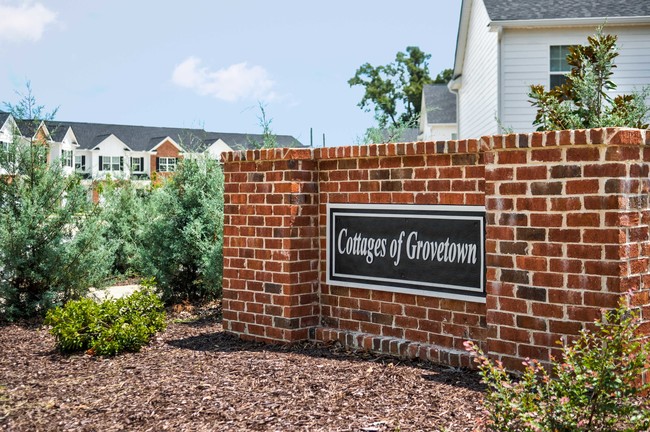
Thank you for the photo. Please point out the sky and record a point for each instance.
(209, 64)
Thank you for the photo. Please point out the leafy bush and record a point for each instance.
(596, 386)
(123, 215)
(583, 101)
(51, 247)
(182, 241)
(107, 328)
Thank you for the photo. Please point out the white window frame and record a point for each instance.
(167, 164)
(79, 166)
(559, 72)
(66, 158)
(135, 165)
(109, 163)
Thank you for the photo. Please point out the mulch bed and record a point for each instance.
(194, 377)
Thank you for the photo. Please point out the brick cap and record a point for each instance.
(606, 136)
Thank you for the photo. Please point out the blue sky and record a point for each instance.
(207, 63)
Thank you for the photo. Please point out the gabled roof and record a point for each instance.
(57, 132)
(440, 103)
(517, 10)
(137, 138)
(239, 141)
(146, 138)
(28, 128)
(3, 117)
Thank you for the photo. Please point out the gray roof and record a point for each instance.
(238, 141)
(3, 117)
(145, 138)
(440, 103)
(515, 10)
(399, 136)
(28, 128)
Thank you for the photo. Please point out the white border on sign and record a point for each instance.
(396, 211)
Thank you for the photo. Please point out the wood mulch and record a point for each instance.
(194, 377)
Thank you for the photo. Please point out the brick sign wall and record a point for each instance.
(566, 233)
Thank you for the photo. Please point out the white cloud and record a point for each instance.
(233, 83)
(24, 22)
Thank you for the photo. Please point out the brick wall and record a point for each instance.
(567, 216)
(270, 283)
(567, 233)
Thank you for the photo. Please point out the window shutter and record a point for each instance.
(101, 165)
(83, 163)
(130, 163)
(141, 164)
(157, 164)
(121, 163)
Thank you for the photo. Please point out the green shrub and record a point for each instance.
(596, 386)
(181, 245)
(123, 214)
(107, 328)
(584, 101)
(51, 247)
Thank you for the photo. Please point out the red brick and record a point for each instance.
(532, 172)
(583, 153)
(583, 219)
(548, 279)
(547, 310)
(512, 157)
(514, 334)
(546, 155)
(582, 187)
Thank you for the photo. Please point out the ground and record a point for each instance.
(194, 377)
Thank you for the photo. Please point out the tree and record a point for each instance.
(444, 76)
(50, 234)
(124, 216)
(181, 245)
(395, 89)
(584, 100)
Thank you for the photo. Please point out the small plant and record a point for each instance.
(596, 387)
(107, 328)
(583, 101)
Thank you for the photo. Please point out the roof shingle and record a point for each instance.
(509, 10)
(440, 103)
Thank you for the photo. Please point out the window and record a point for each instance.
(6, 152)
(137, 164)
(110, 163)
(166, 164)
(80, 163)
(66, 158)
(558, 65)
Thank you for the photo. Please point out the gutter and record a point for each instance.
(568, 22)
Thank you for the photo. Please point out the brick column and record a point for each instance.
(270, 290)
(567, 235)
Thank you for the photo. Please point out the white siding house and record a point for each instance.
(476, 72)
(517, 42)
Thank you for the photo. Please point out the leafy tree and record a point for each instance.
(444, 76)
(182, 241)
(123, 213)
(269, 139)
(51, 247)
(584, 100)
(389, 134)
(395, 87)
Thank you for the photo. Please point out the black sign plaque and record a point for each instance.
(437, 251)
